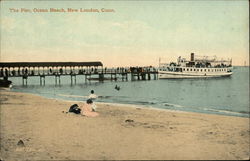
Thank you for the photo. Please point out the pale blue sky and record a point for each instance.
(137, 33)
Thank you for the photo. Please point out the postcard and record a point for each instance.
(124, 80)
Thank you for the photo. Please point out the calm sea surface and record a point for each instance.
(226, 96)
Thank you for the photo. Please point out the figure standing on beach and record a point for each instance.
(93, 97)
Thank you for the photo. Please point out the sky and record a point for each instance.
(136, 33)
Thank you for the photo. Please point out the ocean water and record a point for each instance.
(225, 96)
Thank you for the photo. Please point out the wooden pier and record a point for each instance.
(91, 71)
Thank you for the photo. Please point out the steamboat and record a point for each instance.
(196, 67)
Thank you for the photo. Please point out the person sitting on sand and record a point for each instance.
(86, 109)
(93, 97)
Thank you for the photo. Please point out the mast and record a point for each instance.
(159, 62)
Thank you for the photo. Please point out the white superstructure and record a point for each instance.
(200, 67)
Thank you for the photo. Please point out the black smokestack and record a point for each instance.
(192, 57)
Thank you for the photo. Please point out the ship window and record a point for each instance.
(187, 69)
(194, 70)
(201, 70)
(183, 69)
(209, 70)
(204, 70)
(190, 69)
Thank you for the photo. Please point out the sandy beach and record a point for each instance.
(118, 133)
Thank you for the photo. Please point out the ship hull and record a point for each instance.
(172, 75)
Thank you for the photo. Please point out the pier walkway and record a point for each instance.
(91, 71)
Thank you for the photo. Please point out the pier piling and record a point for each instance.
(25, 77)
(73, 76)
(42, 80)
(57, 77)
(149, 76)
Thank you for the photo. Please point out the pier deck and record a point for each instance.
(91, 71)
